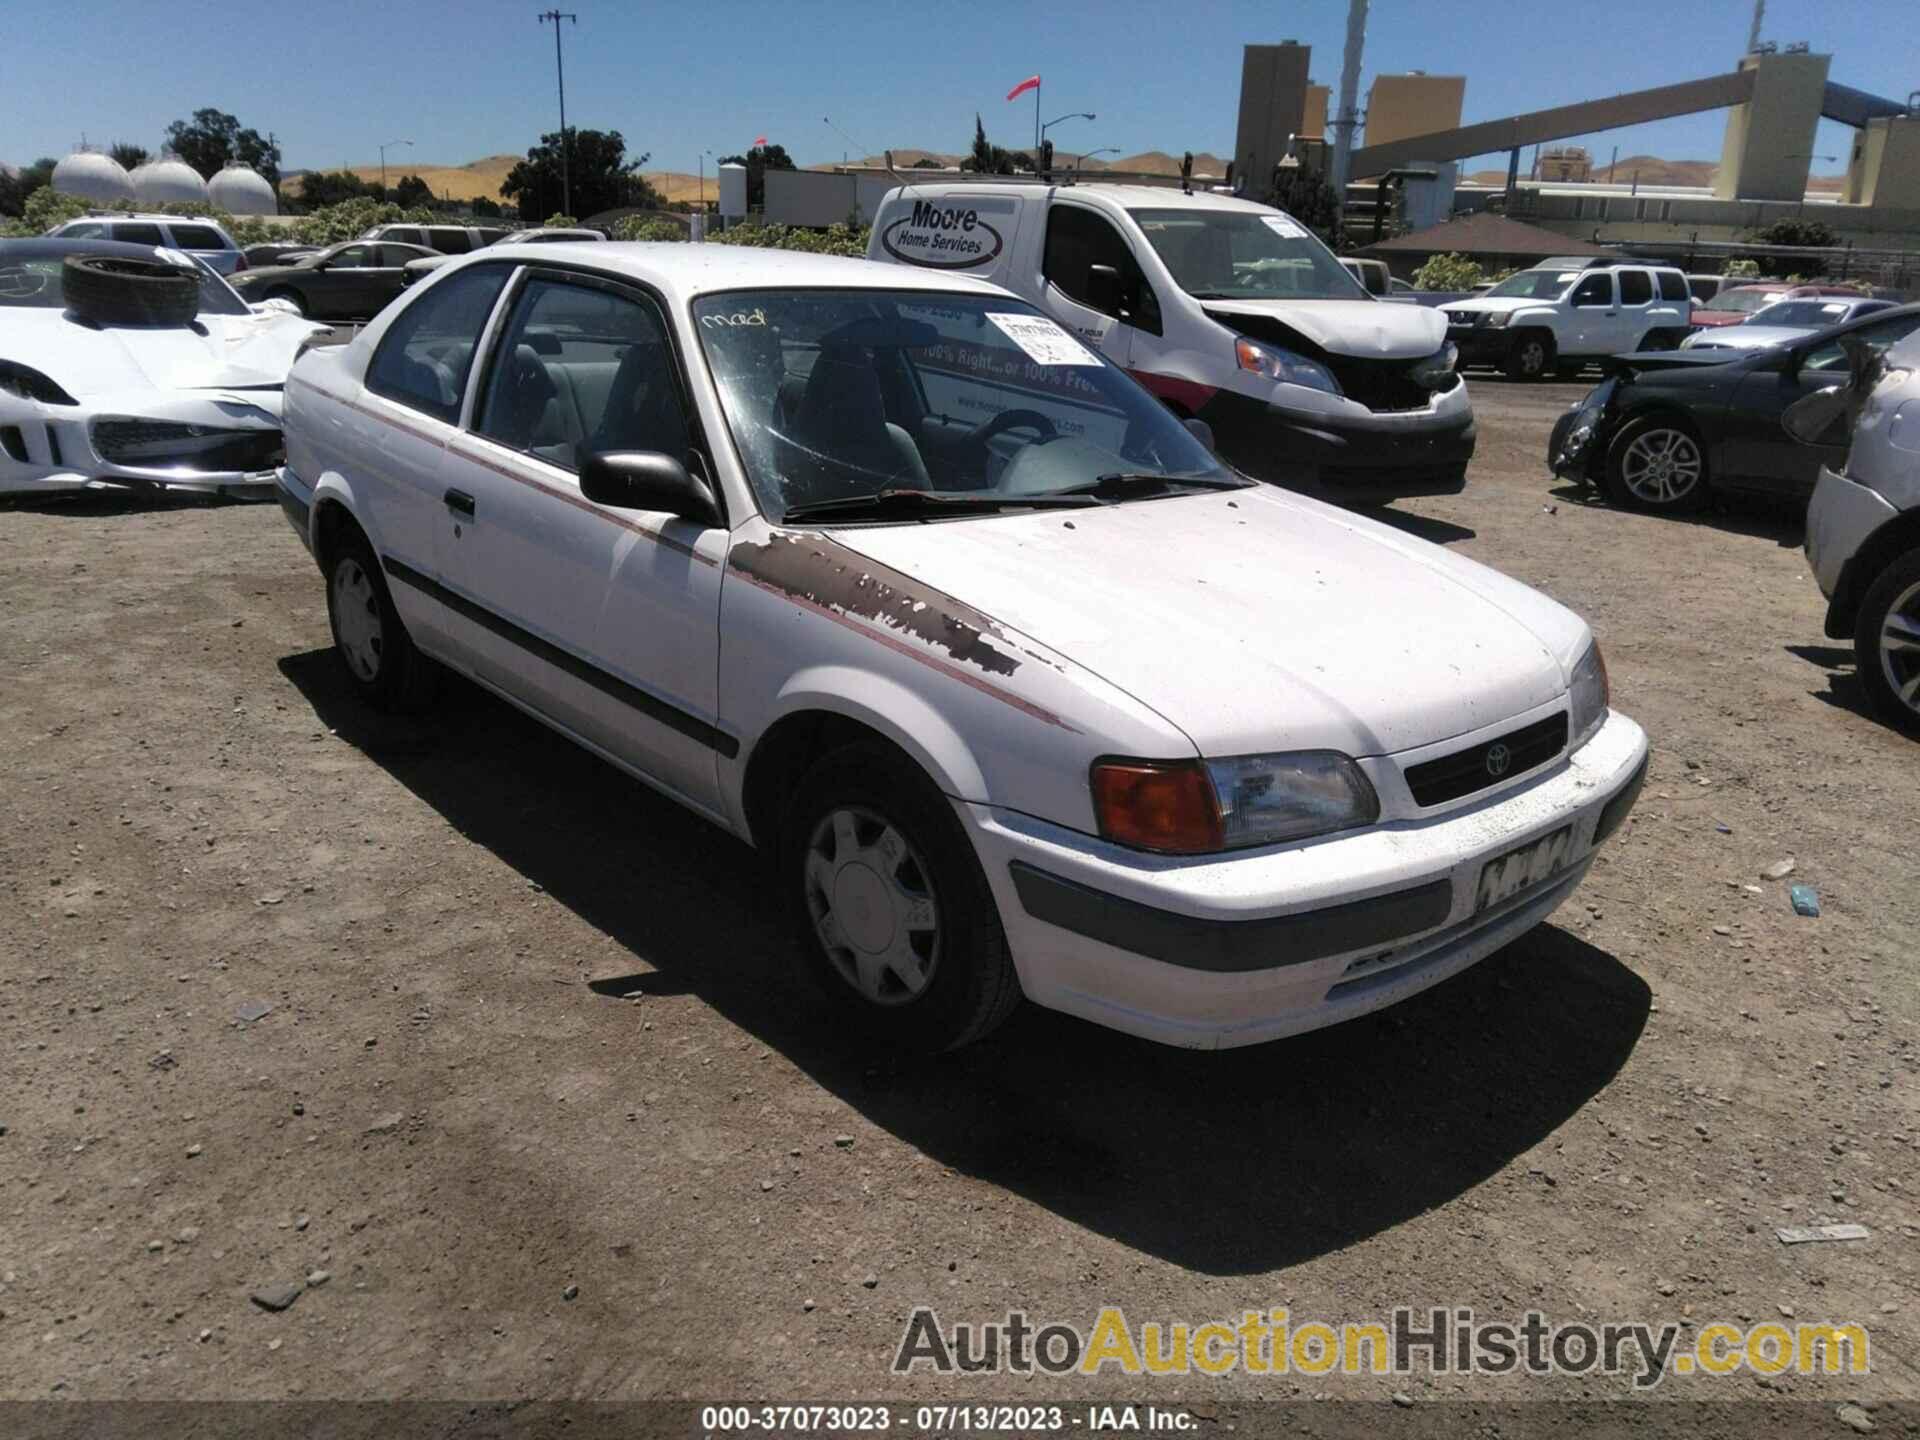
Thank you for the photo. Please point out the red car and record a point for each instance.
(1730, 307)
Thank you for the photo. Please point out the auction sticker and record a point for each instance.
(1044, 341)
(1284, 226)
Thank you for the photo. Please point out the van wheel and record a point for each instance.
(1886, 642)
(378, 655)
(1657, 464)
(1530, 355)
(896, 914)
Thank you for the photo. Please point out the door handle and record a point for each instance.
(461, 501)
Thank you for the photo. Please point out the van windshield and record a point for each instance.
(1245, 255)
(884, 404)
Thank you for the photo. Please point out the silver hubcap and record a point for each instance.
(1661, 466)
(1900, 648)
(873, 906)
(356, 619)
(1533, 357)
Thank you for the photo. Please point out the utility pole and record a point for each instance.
(560, 73)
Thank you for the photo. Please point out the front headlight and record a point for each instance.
(29, 384)
(1198, 807)
(1589, 694)
(1273, 363)
(1496, 318)
(1436, 371)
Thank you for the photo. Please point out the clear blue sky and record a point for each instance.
(334, 80)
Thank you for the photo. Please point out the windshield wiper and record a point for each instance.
(929, 502)
(1119, 483)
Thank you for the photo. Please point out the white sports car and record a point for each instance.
(135, 367)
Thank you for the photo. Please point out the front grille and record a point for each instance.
(1382, 385)
(1434, 782)
(169, 445)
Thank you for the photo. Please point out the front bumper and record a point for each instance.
(1220, 951)
(1388, 455)
(46, 449)
(1841, 517)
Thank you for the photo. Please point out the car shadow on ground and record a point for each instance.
(1423, 527)
(1844, 689)
(103, 504)
(1763, 517)
(1232, 1163)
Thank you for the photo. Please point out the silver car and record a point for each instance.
(1782, 322)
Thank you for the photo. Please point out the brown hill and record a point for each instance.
(483, 177)
(1149, 162)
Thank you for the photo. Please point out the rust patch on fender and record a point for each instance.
(824, 574)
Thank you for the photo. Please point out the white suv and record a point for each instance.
(1563, 313)
(447, 239)
(197, 236)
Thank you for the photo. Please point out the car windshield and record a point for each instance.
(1807, 314)
(925, 400)
(1245, 255)
(1743, 302)
(30, 275)
(1536, 284)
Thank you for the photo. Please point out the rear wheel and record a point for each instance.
(1886, 641)
(1657, 464)
(1529, 355)
(374, 648)
(896, 914)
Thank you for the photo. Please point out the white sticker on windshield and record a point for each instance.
(1284, 227)
(1045, 342)
(1566, 275)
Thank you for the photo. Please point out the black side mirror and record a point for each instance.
(647, 480)
(1201, 431)
(1104, 292)
(1811, 416)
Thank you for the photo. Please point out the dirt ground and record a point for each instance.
(457, 1015)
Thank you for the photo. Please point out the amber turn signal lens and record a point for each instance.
(1166, 807)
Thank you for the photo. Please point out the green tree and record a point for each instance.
(213, 137)
(599, 175)
(15, 190)
(1447, 272)
(758, 161)
(1795, 231)
(320, 188)
(128, 157)
(926, 162)
(1303, 192)
(485, 208)
(412, 190)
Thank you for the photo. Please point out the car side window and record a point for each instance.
(137, 234)
(85, 230)
(354, 257)
(426, 355)
(1636, 287)
(1878, 337)
(1673, 286)
(1077, 240)
(1595, 290)
(582, 369)
(405, 235)
(198, 237)
(451, 240)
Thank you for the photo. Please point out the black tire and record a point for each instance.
(970, 984)
(110, 290)
(1896, 593)
(293, 297)
(1631, 485)
(1529, 356)
(1659, 340)
(379, 657)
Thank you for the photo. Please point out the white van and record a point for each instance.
(1230, 312)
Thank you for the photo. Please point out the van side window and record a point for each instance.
(1673, 286)
(451, 240)
(1636, 287)
(136, 234)
(1078, 239)
(427, 353)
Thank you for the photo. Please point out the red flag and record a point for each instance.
(1032, 82)
(760, 140)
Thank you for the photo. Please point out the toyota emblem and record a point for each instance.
(1499, 757)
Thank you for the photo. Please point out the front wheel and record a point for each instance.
(1530, 355)
(1886, 641)
(1657, 464)
(897, 917)
(379, 656)
(292, 297)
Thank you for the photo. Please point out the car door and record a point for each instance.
(1591, 310)
(1077, 239)
(603, 620)
(387, 277)
(343, 290)
(392, 436)
(1757, 450)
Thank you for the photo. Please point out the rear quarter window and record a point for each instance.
(1673, 286)
(1636, 287)
(450, 240)
(198, 237)
(136, 234)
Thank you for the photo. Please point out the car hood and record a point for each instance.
(1498, 304)
(1256, 620)
(1754, 337)
(216, 352)
(1364, 328)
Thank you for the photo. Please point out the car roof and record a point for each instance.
(48, 246)
(1154, 197)
(685, 270)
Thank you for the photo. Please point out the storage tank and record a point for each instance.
(93, 177)
(239, 189)
(168, 180)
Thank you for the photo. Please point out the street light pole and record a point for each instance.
(1070, 115)
(560, 73)
(826, 121)
(383, 163)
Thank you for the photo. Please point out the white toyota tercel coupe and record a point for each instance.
(1024, 691)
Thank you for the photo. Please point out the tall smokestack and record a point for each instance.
(1348, 114)
(1753, 36)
